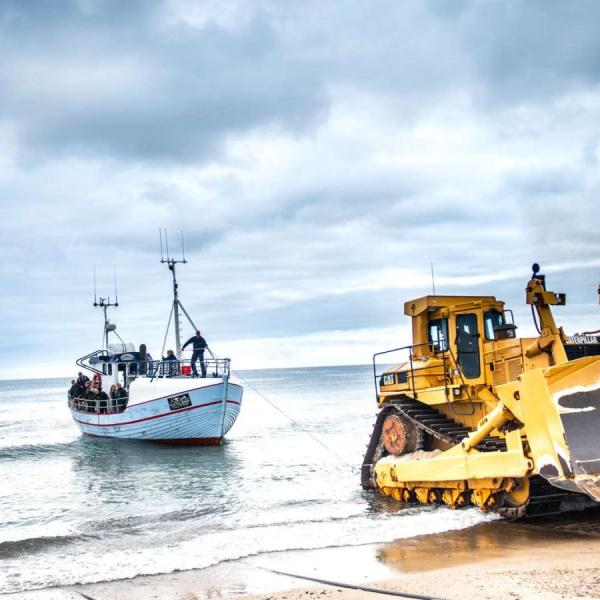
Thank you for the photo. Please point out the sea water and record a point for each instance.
(78, 509)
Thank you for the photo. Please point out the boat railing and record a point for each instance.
(99, 406)
(97, 356)
(215, 367)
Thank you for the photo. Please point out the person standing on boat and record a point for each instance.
(199, 345)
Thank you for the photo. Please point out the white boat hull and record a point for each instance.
(177, 410)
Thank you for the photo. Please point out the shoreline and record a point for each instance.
(544, 560)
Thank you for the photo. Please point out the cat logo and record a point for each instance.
(388, 379)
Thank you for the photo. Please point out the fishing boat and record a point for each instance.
(159, 400)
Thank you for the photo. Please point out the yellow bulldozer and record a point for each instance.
(474, 415)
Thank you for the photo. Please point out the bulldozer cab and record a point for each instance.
(455, 330)
(472, 327)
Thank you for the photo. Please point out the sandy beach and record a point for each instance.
(545, 560)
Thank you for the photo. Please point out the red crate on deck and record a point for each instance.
(186, 370)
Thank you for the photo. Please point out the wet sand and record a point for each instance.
(544, 560)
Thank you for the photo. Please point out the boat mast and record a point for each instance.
(171, 262)
(176, 310)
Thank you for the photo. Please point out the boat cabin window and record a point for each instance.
(491, 319)
(467, 345)
(107, 369)
(438, 334)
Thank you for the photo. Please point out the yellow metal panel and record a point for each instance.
(454, 464)
(412, 308)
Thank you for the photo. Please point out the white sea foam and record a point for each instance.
(213, 548)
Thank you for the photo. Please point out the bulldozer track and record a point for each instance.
(544, 500)
(442, 427)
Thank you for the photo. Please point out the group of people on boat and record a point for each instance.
(83, 388)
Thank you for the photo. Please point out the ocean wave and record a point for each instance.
(134, 522)
(19, 451)
(205, 519)
(96, 565)
(34, 545)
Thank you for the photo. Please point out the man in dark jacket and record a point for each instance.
(199, 345)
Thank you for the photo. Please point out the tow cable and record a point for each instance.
(350, 586)
(295, 423)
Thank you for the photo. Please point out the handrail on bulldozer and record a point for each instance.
(444, 350)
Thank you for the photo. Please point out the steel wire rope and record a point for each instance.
(295, 423)
(290, 419)
(340, 584)
(350, 586)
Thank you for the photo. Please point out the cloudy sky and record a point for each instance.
(318, 156)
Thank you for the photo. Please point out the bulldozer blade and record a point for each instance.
(560, 406)
(579, 411)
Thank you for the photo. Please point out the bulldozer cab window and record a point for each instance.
(467, 345)
(438, 335)
(492, 319)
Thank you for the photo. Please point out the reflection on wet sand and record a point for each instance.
(484, 541)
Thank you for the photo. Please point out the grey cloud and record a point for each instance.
(98, 84)
(560, 209)
(385, 308)
(546, 182)
(127, 81)
(528, 51)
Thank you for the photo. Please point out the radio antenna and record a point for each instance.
(182, 247)
(432, 279)
(95, 298)
(115, 279)
(167, 245)
(161, 244)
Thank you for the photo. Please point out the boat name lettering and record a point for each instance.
(177, 402)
